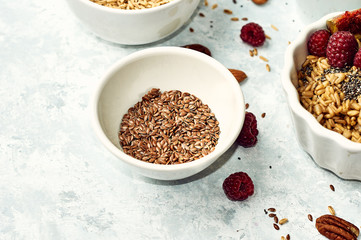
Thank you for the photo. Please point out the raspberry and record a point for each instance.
(253, 34)
(341, 49)
(317, 43)
(357, 59)
(248, 136)
(238, 186)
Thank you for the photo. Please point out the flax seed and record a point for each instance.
(310, 217)
(271, 209)
(276, 226)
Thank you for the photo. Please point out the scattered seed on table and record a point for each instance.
(191, 29)
(255, 51)
(288, 237)
(283, 221)
(214, 6)
(283, 238)
(332, 211)
(227, 11)
(268, 37)
(263, 58)
(245, 19)
(201, 15)
(247, 105)
(263, 115)
(268, 68)
(271, 215)
(275, 218)
(310, 217)
(205, 2)
(235, 19)
(251, 53)
(276, 226)
(274, 27)
(332, 187)
(272, 209)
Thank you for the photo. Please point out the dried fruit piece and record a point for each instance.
(238, 74)
(317, 43)
(253, 34)
(341, 49)
(348, 21)
(199, 48)
(238, 186)
(248, 136)
(259, 2)
(336, 228)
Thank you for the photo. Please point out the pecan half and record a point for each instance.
(336, 228)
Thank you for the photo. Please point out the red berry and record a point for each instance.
(317, 43)
(248, 136)
(357, 59)
(238, 186)
(253, 34)
(341, 49)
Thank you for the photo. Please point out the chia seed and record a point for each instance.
(352, 87)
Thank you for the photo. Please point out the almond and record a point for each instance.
(238, 74)
(259, 2)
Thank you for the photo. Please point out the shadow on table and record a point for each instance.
(212, 168)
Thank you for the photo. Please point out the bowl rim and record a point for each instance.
(130, 12)
(292, 95)
(211, 157)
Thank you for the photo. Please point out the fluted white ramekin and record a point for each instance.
(330, 150)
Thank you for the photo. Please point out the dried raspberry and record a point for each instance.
(317, 43)
(248, 136)
(357, 59)
(238, 186)
(253, 34)
(341, 49)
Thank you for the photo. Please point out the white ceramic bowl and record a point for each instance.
(133, 27)
(329, 149)
(167, 68)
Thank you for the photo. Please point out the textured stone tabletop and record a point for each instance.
(57, 181)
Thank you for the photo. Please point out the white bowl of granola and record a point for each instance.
(322, 130)
(133, 22)
(168, 137)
